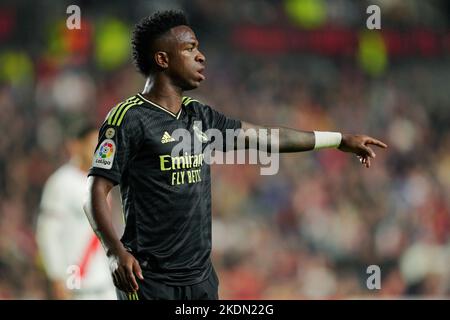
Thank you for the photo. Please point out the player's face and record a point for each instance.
(186, 62)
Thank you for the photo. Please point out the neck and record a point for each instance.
(160, 91)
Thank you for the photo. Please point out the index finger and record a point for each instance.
(376, 142)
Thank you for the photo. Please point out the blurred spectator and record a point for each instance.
(74, 260)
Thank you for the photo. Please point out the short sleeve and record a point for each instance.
(116, 146)
(221, 121)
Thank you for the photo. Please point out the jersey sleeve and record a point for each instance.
(116, 146)
(218, 120)
(222, 122)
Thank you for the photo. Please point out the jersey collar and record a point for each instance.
(177, 115)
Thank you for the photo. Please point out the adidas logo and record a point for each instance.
(166, 138)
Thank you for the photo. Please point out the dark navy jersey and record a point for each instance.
(166, 196)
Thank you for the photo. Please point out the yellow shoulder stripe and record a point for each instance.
(110, 113)
(115, 110)
(187, 100)
(126, 109)
(117, 114)
(132, 296)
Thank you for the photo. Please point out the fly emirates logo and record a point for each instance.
(185, 169)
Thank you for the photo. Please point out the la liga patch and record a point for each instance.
(104, 156)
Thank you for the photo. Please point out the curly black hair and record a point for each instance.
(147, 31)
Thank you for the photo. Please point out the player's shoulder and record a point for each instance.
(123, 111)
(189, 101)
(194, 104)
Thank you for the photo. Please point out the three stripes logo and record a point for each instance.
(132, 296)
(187, 100)
(166, 138)
(116, 115)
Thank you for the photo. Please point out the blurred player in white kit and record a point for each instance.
(67, 244)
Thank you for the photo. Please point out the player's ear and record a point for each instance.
(162, 59)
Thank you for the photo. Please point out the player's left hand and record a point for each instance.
(359, 145)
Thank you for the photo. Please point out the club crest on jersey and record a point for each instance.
(104, 156)
(110, 132)
(200, 134)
